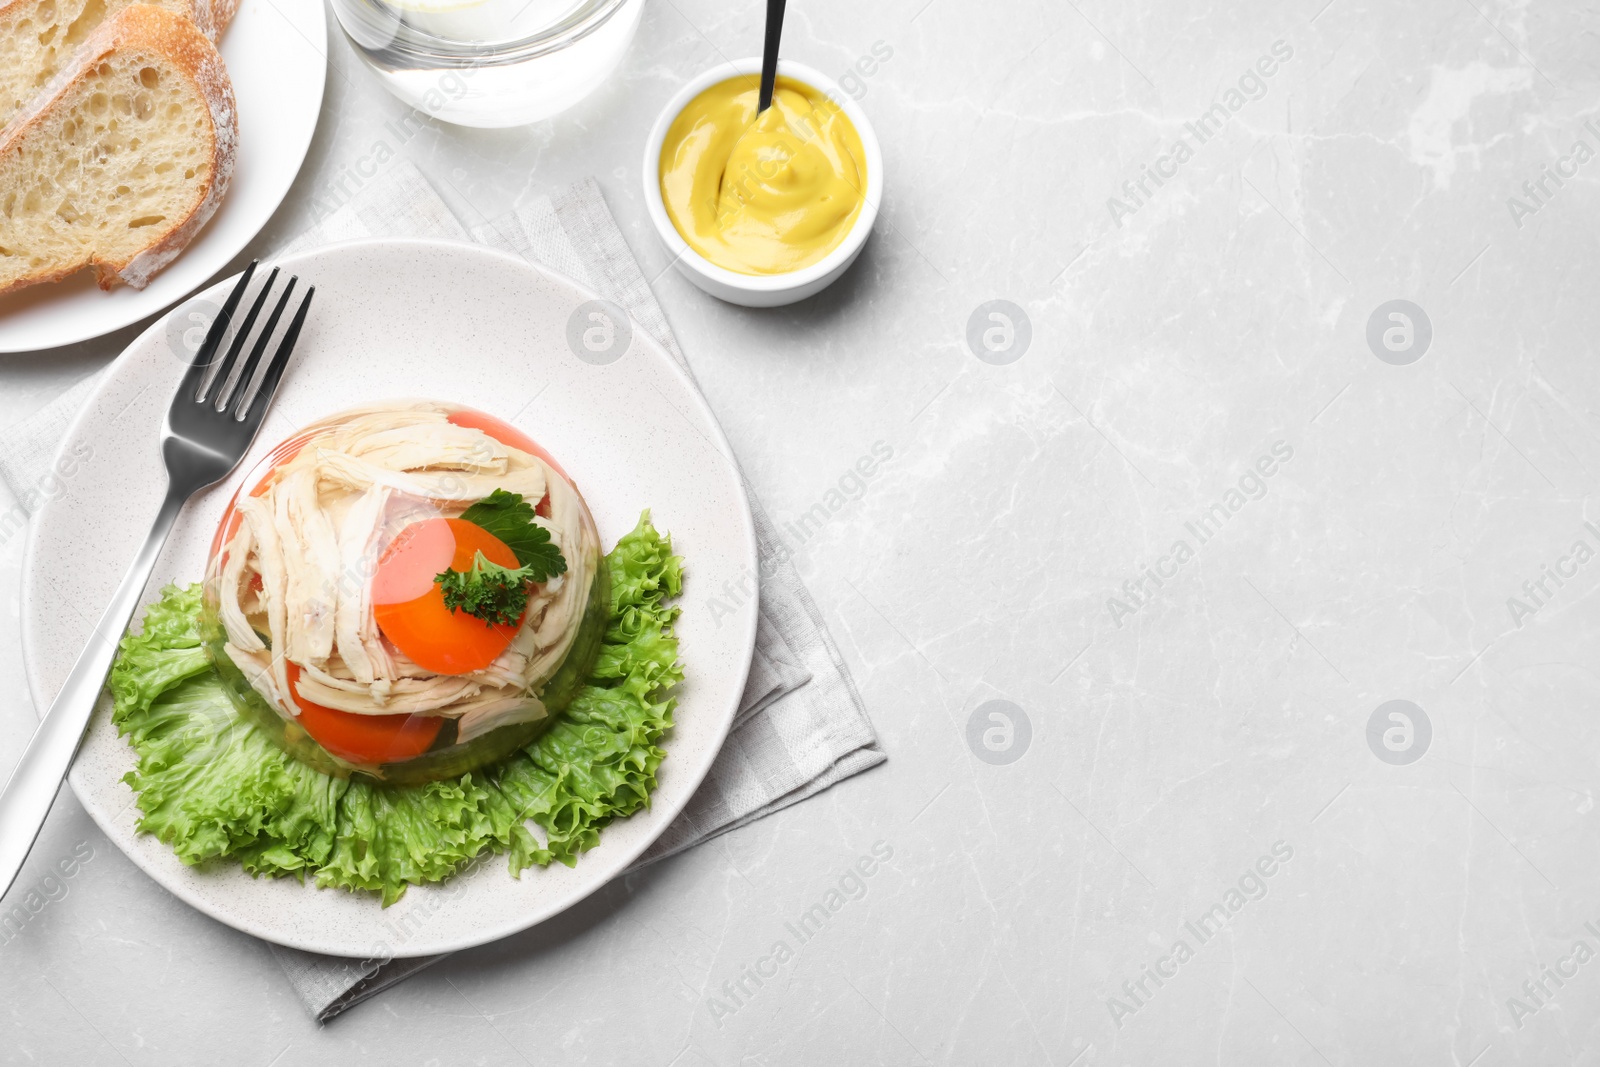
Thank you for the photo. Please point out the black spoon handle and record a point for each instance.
(769, 54)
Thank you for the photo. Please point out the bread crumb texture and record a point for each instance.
(120, 166)
(39, 37)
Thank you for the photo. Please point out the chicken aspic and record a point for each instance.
(402, 583)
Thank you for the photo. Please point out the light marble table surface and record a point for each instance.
(1205, 517)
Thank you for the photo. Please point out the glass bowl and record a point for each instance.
(490, 63)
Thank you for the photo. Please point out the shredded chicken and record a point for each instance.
(234, 620)
(358, 642)
(341, 470)
(294, 580)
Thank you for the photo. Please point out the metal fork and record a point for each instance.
(208, 429)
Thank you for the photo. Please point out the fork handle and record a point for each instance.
(32, 788)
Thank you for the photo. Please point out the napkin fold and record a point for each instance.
(801, 726)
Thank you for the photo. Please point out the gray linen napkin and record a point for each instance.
(801, 725)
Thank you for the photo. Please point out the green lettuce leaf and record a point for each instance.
(213, 787)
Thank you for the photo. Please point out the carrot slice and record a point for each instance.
(409, 606)
(363, 738)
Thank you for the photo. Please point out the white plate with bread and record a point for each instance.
(143, 146)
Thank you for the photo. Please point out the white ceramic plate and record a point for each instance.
(407, 319)
(276, 52)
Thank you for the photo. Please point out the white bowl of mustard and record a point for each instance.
(763, 210)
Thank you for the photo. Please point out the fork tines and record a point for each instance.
(229, 384)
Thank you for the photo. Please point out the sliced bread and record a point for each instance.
(122, 159)
(39, 37)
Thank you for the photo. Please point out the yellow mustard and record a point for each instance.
(768, 193)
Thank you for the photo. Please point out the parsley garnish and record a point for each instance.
(510, 518)
(489, 591)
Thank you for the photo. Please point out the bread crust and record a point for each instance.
(222, 12)
(181, 43)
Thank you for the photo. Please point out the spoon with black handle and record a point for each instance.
(769, 54)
